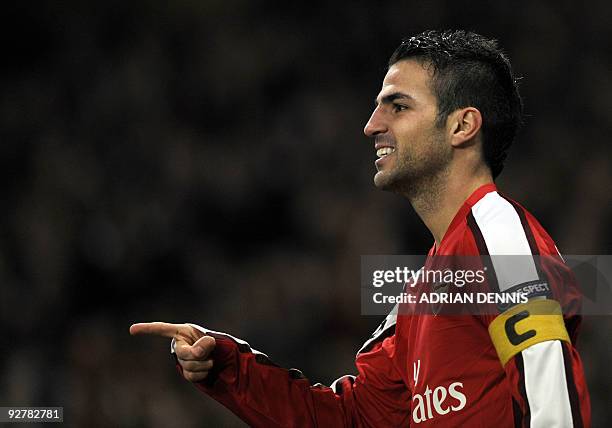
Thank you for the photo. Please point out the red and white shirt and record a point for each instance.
(513, 369)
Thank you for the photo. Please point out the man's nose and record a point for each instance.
(375, 125)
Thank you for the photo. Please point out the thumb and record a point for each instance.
(203, 346)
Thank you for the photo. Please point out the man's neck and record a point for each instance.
(438, 203)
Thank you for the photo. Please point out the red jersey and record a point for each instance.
(511, 369)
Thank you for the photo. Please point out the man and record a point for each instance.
(448, 109)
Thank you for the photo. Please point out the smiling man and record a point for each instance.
(448, 109)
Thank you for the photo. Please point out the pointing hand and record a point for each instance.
(192, 347)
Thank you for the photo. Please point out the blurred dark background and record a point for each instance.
(204, 162)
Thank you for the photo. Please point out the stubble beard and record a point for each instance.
(421, 178)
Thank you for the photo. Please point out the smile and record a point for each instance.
(384, 151)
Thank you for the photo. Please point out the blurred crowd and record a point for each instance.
(204, 162)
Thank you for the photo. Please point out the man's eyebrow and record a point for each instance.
(388, 99)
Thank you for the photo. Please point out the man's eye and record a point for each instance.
(399, 107)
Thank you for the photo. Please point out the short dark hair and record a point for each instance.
(470, 70)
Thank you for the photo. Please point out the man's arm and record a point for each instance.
(539, 357)
(263, 394)
(542, 366)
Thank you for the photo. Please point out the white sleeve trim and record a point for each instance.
(546, 385)
(506, 241)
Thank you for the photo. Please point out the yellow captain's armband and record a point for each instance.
(525, 325)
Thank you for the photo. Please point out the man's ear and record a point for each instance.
(464, 125)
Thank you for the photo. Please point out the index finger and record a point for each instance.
(162, 329)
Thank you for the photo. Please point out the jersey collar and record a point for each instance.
(477, 195)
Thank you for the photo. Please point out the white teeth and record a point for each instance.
(384, 151)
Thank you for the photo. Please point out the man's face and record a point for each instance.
(411, 149)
